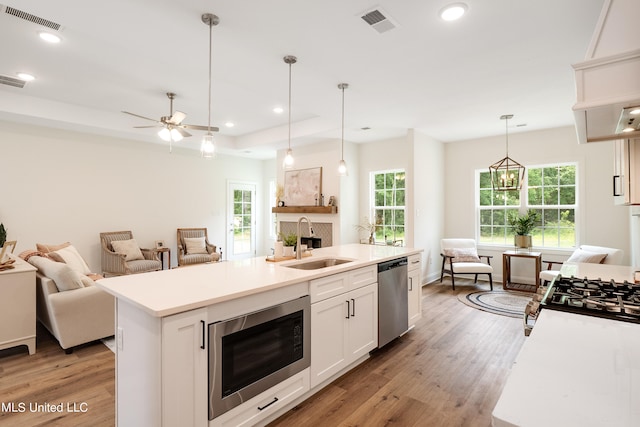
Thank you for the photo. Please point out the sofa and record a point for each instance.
(75, 316)
(68, 303)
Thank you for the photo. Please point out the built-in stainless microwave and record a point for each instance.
(250, 354)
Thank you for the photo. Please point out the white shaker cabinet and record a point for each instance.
(626, 172)
(184, 368)
(415, 288)
(344, 327)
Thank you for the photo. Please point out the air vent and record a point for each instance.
(378, 20)
(31, 18)
(12, 81)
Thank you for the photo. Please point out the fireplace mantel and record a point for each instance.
(306, 209)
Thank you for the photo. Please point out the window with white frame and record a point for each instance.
(388, 206)
(549, 190)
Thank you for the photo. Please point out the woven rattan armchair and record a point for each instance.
(203, 255)
(117, 264)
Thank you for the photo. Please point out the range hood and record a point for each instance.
(608, 81)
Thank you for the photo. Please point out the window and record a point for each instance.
(389, 206)
(550, 190)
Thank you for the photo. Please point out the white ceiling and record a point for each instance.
(450, 80)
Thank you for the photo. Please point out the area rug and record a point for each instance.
(505, 303)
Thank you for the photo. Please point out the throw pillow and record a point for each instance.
(128, 248)
(26, 254)
(51, 248)
(65, 278)
(580, 255)
(463, 254)
(73, 259)
(195, 245)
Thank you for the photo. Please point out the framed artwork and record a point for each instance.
(303, 187)
(160, 244)
(7, 249)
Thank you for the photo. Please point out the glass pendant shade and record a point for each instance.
(207, 148)
(342, 168)
(288, 159)
(506, 173)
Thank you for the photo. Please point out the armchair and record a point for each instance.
(121, 255)
(194, 247)
(584, 253)
(460, 256)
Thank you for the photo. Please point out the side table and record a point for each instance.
(163, 251)
(506, 269)
(18, 306)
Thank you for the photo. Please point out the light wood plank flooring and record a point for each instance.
(448, 371)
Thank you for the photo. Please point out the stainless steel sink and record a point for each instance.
(320, 263)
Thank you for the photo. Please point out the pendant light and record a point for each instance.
(207, 148)
(342, 166)
(288, 158)
(506, 174)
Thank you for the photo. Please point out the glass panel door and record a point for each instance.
(241, 238)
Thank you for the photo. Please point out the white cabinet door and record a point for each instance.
(363, 321)
(328, 338)
(415, 288)
(184, 369)
(343, 328)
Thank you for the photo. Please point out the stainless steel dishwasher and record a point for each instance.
(393, 316)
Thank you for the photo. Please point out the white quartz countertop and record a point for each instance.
(167, 292)
(574, 369)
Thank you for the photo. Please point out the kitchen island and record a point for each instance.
(163, 350)
(575, 369)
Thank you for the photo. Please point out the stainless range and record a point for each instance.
(601, 298)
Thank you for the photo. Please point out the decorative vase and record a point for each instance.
(522, 241)
(372, 239)
(278, 250)
(288, 251)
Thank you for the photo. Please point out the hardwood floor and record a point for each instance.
(448, 371)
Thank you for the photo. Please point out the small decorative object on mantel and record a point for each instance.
(522, 226)
(279, 194)
(332, 201)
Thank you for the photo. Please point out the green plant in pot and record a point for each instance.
(3, 235)
(289, 241)
(522, 226)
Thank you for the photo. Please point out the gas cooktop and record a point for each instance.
(609, 299)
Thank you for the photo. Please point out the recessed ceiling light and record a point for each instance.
(49, 37)
(229, 124)
(25, 76)
(628, 129)
(278, 110)
(453, 11)
(635, 111)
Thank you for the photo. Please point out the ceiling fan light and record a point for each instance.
(176, 135)
(288, 159)
(26, 77)
(164, 134)
(342, 168)
(207, 148)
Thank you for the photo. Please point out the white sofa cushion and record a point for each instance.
(73, 259)
(65, 277)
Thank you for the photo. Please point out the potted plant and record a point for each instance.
(522, 226)
(289, 241)
(3, 235)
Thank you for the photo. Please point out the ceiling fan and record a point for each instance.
(173, 128)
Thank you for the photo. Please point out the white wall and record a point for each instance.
(68, 186)
(600, 222)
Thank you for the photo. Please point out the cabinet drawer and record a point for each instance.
(266, 403)
(415, 262)
(336, 284)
